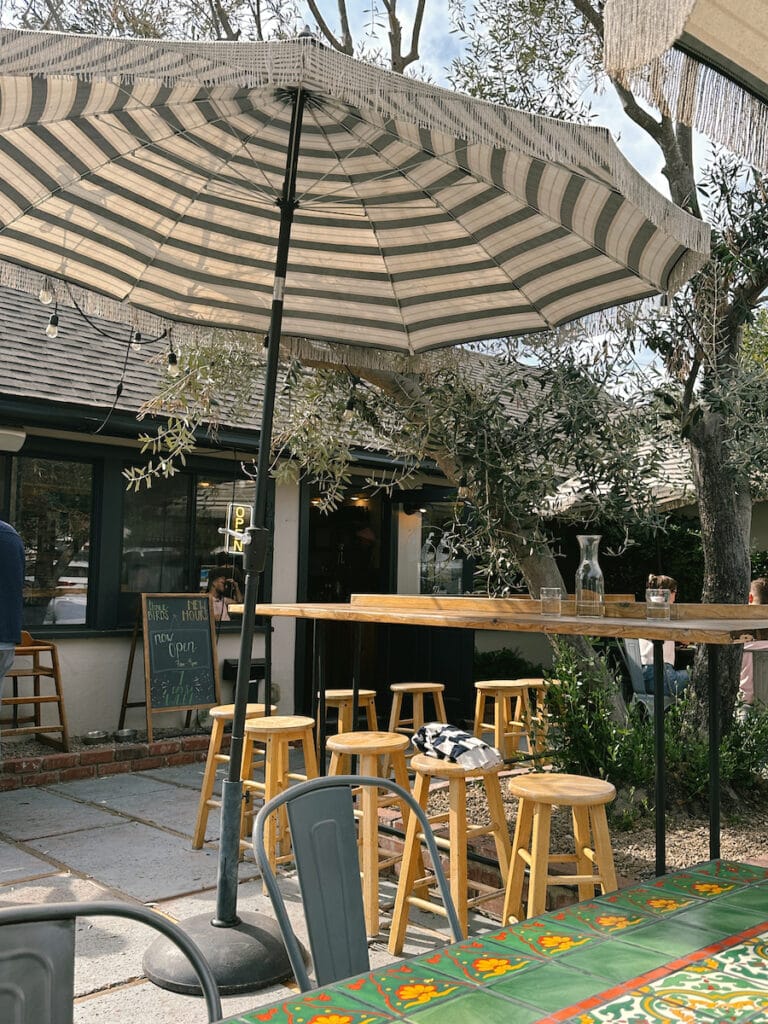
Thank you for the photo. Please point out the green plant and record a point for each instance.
(505, 663)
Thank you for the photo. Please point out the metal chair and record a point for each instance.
(37, 958)
(322, 825)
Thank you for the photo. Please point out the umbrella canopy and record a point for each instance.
(723, 88)
(147, 172)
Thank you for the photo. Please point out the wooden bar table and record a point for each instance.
(713, 625)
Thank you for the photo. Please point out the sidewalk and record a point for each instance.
(128, 836)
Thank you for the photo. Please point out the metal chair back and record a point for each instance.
(37, 958)
(324, 838)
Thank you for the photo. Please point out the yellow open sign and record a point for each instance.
(238, 520)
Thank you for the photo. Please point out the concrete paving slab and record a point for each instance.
(190, 775)
(16, 864)
(168, 807)
(33, 813)
(146, 1002)
(138, 860)
(109, 789)
(108, 950)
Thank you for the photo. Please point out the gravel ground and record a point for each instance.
(743, 837)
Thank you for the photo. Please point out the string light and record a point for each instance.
(173, 362)
(46, 292)
(52, 330)
(136, 341)
(349, 409)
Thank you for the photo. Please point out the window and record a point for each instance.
(170, 536)
(51, 506)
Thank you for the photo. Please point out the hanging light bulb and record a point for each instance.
(136, 341)
(349, 409)
(173, 363)
(52, 330)
(46, 292)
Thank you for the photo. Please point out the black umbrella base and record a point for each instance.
(244, 958)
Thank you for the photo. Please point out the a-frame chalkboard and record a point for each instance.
(181, 667)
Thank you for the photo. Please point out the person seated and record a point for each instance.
(758, 594)
(675, 680)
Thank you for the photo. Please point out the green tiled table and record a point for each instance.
(691, 947)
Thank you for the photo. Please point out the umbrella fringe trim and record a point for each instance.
(292, 63)
(670, 80)
(637, 33)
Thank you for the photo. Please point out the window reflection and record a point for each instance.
(51, 503)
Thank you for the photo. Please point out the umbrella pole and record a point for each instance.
(245, 952)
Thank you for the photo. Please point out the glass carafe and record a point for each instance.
(590, 586)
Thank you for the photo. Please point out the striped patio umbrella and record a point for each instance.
(148, 173)
(715, 78)
(288, 189)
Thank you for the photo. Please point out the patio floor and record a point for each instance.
(128, 836)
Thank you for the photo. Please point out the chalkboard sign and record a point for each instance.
(181, 668)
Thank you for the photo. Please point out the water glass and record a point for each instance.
(551, 600)
(657, 603)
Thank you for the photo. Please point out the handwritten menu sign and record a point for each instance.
(180, 663)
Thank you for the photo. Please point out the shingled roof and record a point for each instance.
(77, 373)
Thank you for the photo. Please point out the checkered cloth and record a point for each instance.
(450, 743)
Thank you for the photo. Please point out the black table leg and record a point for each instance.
(714, 750)
(660, 756)
(318, 687)
(357, 655)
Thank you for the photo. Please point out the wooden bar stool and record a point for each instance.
(342, 701)
(276, 734)
(221, 715)
(512, 717)
(417, 692)
(538, 792)
(36, 660)
(412, 890)
(376, 753)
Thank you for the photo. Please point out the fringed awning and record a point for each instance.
(716, 77)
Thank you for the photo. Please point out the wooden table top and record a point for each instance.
(713, 624)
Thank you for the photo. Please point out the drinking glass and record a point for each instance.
(657, 603)
(551, 600)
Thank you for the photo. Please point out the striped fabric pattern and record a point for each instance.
(147, 173)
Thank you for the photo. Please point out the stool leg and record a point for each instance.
(582, 842)
(246, 813)
(310, 756)
(457, 831)
(537, 881)
(477, 728)
(501, 715)
(394, 717)
(273, 776)
(513, 897)
(370, 714)
(369, 850)
(498, 820)
(345, 717)
(209, 779)
(603, 849)
(440, 712)
(418, 711)
(408, 868)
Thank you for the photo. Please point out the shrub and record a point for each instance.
(505, 663)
